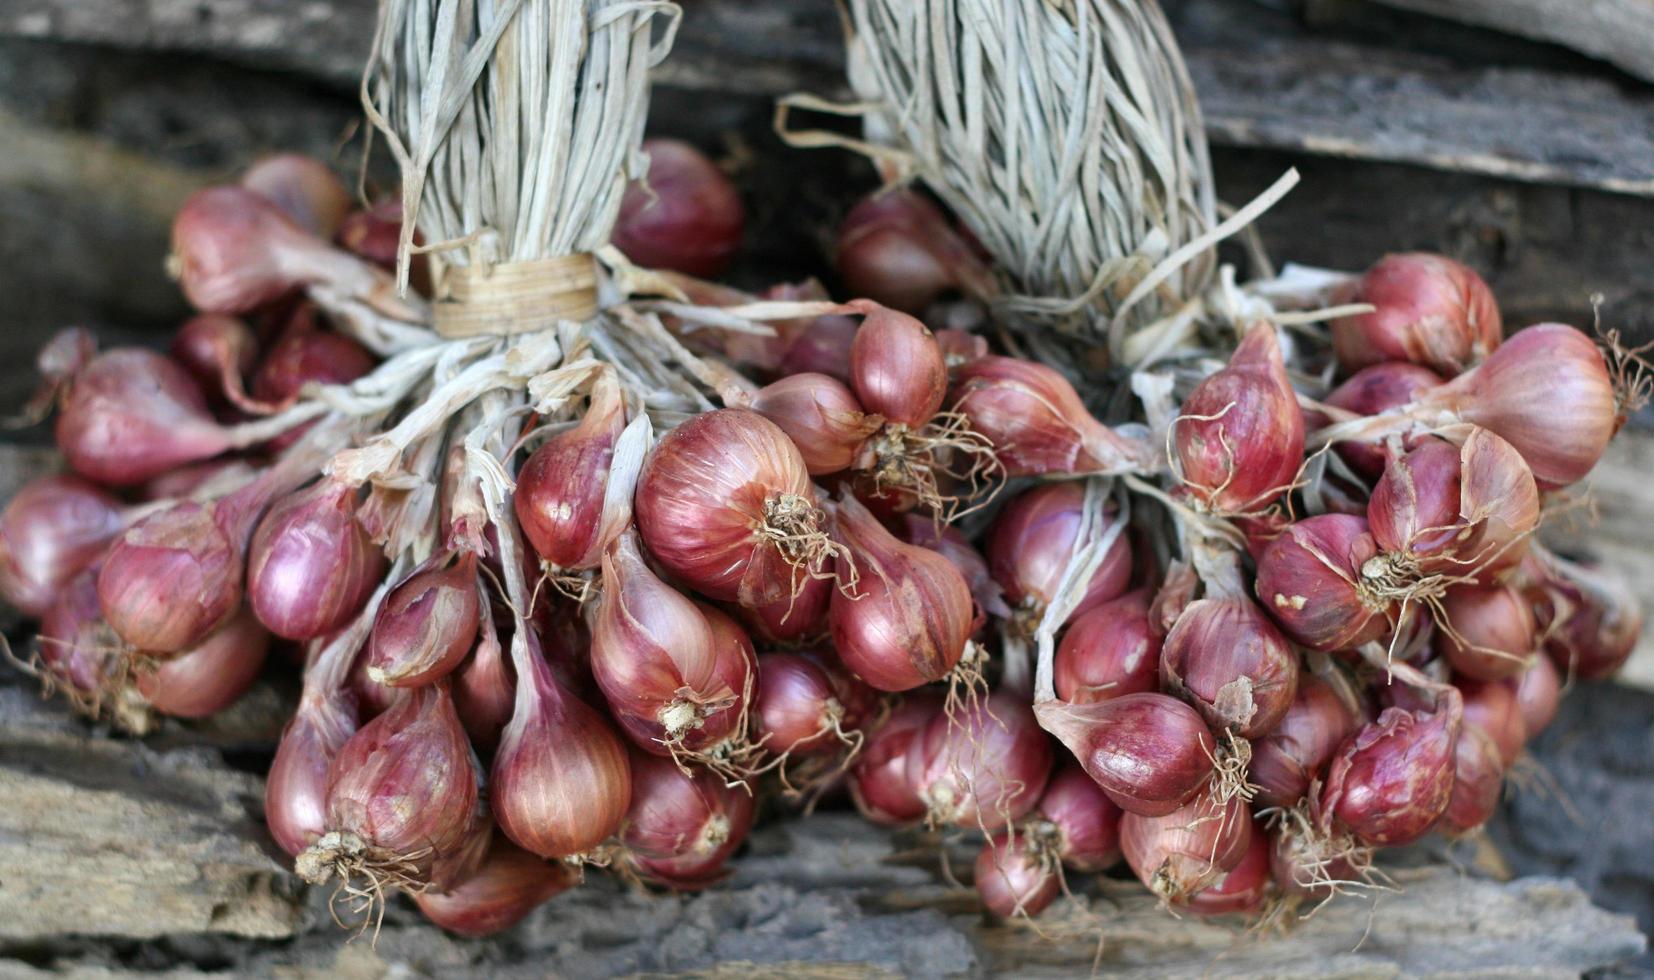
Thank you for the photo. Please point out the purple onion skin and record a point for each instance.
(1225, 657)
(1011, 880)
(1296, 752)
(1149, 752)
(1388, 783)
(1478, 776)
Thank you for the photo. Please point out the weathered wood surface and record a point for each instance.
(1620, 32)
(1288, 90)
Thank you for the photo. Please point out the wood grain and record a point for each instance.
(1620, 32)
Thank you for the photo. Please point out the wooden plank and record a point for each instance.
(1276, 88)
(1620, 32)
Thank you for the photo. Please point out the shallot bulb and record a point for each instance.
(1431, 310)
(1227, 659)
(485, 689)
(1492, 707)
(211, 676)
(724, 503)
(951, 543)
(686, 215)
(562, 487)
(821, 416)
(878, 780)
(1150, 753)
(402, 796)
(658, 659)
(682, 826)
(234, 251)
(821, 346)
(1546, 391)
(561, 782)
(1478, 775)
(509, 884)
(1538, 695)
(909, 619)
(1083, 824)
(1239, 441)
(375, 233)
(1037, 424)
(896, 367)
(797, 710)
(1591, 619)
(219, 352)
(1246, 886)
(1388, 783)
(1325, 712)
(1312, 582)
(1032, 542)
(131, 415)
(79, 654)
(1465, 509)
(1486, 632)
(311, 567)
(295, 792)
(898, 248)
(1015, 877)
(983, 767)
(427, 624)
(305, 357)
(1189, 849)
(304, 188)
(52, 530)
(1376, 389)
(1109, 652)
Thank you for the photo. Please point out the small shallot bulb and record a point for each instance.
(304, 188)
(1239, 441)
(724, 503)
(1538, 695)
(1014, 877)
(1246, 886)
(374, 232)
(1109, 652)
(686, 216)
(1083, 821)
(561, 781)
(131, 415)
(1431, 310)
(1486, 632)
(683, 826)
(295, 792)
(1547, 392)
(1227, 659)
(172, 578)
(1308, 866)
(820, 415)
(1149, 752)
(1388, 783)
(562, 486)
(1465, 509)
(1189, 849)
(402, 796)
(823, 347)
(898, 248)
(951, 543)
(210, 677)
(1310, 579)
(656, 656)
(983, 767)
(1492, 707)
(797, 709)
(500, 893)
(909, 618)
(234, 251)
(1592, 620)
(485, 689)
(427, 624)
(1326, 710)
(896, 367)
(309, 356)
(78, 652)
(1478, 775)
(51, 531)
(1037, 424)
(792, 619)
(1031, 543)
(311, 567)
(1376, 389)
(878, 781)
(219, 352)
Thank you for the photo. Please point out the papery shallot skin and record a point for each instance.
(1012, 879)
(1310, 580)
(1244, 888)
(1086, 822)
(1239, 440)
(1111, 651)
(1431, 311)
(509, 884)
(1287, 760)
(1178, 854)
(683, 825)
(1226, 658)
(131, 415)
(686, 215)
(1032, 541)
(1390, 782)
(983, 768)
(878, 780)
(51, 530)
(1037, 423)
